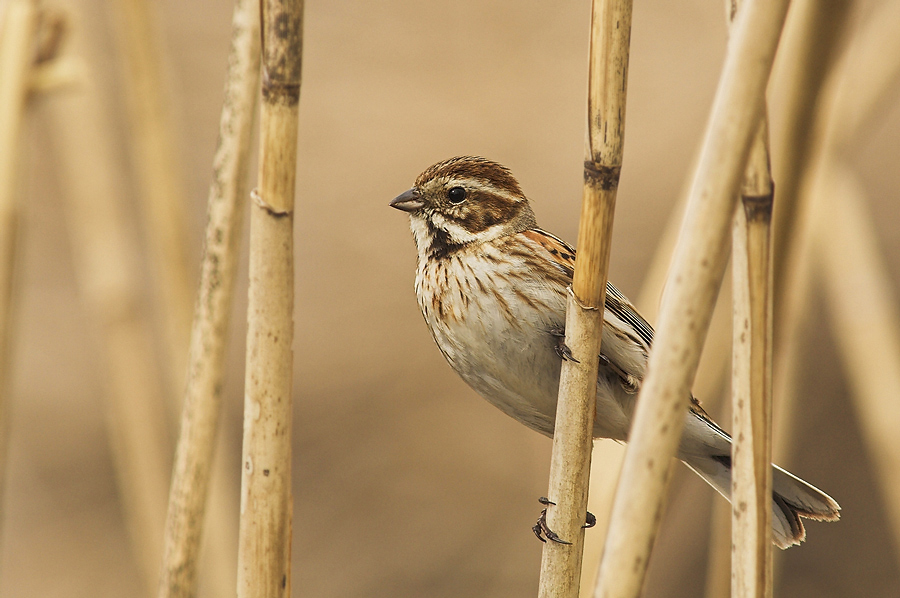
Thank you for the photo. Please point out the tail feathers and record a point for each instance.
(792, 498)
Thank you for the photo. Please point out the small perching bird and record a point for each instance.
(492, 288)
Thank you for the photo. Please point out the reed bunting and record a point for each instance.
(492, 287)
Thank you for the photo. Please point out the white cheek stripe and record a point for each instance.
(460, 235)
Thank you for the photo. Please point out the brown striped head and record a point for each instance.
(464, 201)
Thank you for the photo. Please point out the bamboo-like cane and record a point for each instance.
(691, 290)
(264, 552)
(161, 193)
(106, 261)
(751, 378)
(17, 29)
(193, 457)
(573, 433)
(751, 474)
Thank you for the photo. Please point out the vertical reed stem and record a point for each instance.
(691, 290)
(264, 553)
(573, 435)
(751, 379)
(202, 399)
(751, 481)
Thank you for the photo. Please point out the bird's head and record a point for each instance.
(463, 201)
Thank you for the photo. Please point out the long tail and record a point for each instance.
(706, 449)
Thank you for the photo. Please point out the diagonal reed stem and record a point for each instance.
(691, 291)
(572, 439)
(203, 395)
(264, 551)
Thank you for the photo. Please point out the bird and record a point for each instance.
(492, 287)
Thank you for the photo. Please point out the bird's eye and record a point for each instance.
(456, 195)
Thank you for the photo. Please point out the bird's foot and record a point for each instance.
(542, 530)
(562, 350)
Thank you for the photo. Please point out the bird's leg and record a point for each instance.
(541, 528)
(562, 350)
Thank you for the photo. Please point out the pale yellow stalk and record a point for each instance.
(264, 552)
(203, 395)
(751, 372)
(751, 380)
(689, 298)
(573, 435)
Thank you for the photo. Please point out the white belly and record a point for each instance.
(498, 337)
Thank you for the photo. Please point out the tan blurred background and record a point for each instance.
(406, 482)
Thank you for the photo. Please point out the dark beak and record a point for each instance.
(408, 201)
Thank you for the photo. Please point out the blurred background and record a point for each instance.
(405, 481)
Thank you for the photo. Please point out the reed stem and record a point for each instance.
(203, 395)
(751, 474)
(573, 436)
(693, 284)
(264, 552)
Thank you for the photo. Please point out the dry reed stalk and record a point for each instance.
(812, 39)
(573, 434)
(691, 290)
(850, 96)
(806, 53)
(864, 319)
(751, 373)
(751, 474)
(862, 303)
(264, 552)
(161, 193)
(202, 400)
(17, 31)
(106, 265)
